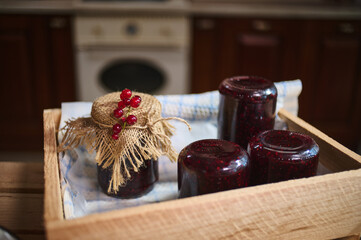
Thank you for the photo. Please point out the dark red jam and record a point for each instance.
(247, 107)
(278, 155)
(211, 165)
(140, 183)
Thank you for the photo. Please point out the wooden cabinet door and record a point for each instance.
(331, 74)
(36, 72)
(235, 46)
(205, 51)
(262, 47)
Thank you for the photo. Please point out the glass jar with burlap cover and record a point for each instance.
(148, 138)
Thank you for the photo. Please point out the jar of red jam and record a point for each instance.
(212, 165)
(139, 184)
(278, 155)
(247, 107)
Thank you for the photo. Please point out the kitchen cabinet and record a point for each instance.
(36, 72)
(324, 54)
(331, 69)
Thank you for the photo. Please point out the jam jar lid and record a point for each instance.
(249, 88)
(214, 156)
(285, 145)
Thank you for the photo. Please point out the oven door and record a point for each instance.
(135, 74)
(143, 53)
(153, 71)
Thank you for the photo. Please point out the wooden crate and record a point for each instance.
(320, 207)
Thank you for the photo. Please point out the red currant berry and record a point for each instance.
(121, 105)
(118, 113)
(115, 136)
(123, 119)
(117, 128)
(135, 101)
(126, 93)
(126, 101)
(131, 119)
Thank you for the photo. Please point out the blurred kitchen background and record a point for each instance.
(54, 51)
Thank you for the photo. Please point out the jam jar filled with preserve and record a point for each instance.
(212, 165)
(139, 184)
(128, 133)
(279, 155)
(247, 107)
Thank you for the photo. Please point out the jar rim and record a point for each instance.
(286, 144)
(214, 155)
(252, 88)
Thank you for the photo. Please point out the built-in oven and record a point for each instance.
(146, 54)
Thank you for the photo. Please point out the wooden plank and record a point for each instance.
(321, 207)
(333, 155)
(53, 206)
(21, 177)
(21, 198)
(22, 212)
(35, 236)
(353, 237)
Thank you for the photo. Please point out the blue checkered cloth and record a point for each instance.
(81, 192)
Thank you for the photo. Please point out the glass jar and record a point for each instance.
(139, 184)
(278, 155)
(247, 107)
(211, 165)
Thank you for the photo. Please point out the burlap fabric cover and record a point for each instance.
(148, 138)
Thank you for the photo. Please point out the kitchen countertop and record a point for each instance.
(271, 8)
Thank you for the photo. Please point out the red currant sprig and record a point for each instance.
(126, 103)
(131, 119)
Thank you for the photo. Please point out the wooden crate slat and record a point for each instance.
(53, 205)
(322, 207)
(333, 155)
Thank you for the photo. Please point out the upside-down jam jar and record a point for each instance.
(139, 184)
(247, 107)
(278, 155)
(211, 165)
